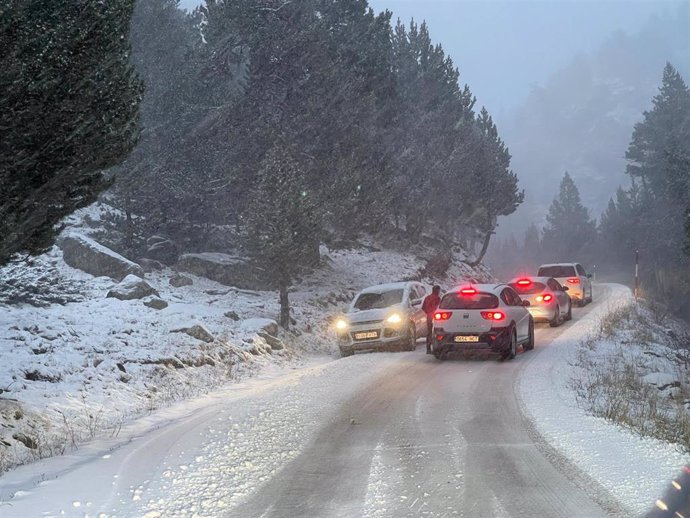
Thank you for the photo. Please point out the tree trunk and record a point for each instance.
(284, 304)
(482, 253)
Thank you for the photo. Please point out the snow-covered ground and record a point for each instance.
(182, 461)
(634, 469)
(78, 365)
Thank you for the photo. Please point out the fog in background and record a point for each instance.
(565, 81)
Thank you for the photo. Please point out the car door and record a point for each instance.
(516, 312)
(561, 295)
(418, 316)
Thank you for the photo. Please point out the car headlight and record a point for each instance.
(394, 319)
(341, 324)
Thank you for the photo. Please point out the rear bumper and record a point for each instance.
(542, 313)
(496, 341)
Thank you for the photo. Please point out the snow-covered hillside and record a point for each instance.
(78, 364)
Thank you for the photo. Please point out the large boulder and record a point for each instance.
(88, 255)
(226, 269)
(162, 249)
(155, 303)
(131, 288)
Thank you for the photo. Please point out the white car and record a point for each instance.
(549, 301)
(383, 316)
(573, 276)
(482, 317)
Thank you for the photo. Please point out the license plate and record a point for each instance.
(366, 335)
(464, 339)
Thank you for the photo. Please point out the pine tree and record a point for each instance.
(659, 165)
(68, 110)
(281, 221)
(531, 249)
(569, 229)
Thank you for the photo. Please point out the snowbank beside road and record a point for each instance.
(635, 470)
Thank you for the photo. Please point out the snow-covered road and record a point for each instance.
(371, 435)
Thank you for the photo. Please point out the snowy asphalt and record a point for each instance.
(375, 435)
(429, 438)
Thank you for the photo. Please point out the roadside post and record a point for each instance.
(637, 274)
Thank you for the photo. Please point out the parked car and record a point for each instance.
(382, 317)
(573, 276)
(549, 301)
(482, 317)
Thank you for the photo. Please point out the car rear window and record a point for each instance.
(529, 289)
(477, 301)
(378, 300)
(557, 271)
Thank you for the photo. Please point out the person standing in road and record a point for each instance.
(429, 306)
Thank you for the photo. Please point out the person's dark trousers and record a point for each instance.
(429, 333)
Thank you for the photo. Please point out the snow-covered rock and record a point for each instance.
(178, 280)
(150, 265)
(255, 325)
(226, 269)
(661, 380)
(131, 288)
(162, 249)
(197, 331)
(86, 254)
(155, 303)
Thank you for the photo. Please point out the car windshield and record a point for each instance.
(378, 300)
(557, 271)
(462, 301)
(528, 289)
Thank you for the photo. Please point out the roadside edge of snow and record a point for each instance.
(635, 470)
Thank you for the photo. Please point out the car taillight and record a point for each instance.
(492, 315)
(439, 338)
(524, 282)
(544, 298)
(468, 291)
(574, 281)
(442, 315)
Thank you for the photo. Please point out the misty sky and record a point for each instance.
(502, 47)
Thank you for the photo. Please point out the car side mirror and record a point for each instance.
(564, 288)
(589, 275)
(526, 303)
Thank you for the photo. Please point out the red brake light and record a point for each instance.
(468, 291)
(439, 338)
(524, 282)
(442, 315)
(493, 315)
(574, 280)
(547, 297)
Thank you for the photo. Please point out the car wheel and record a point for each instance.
(530, 340)
(411, 340)
(556, 320)
(569, 314)
(591, 296)
(345, 352)
(512, 349)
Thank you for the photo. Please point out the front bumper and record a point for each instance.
(387, 335)
(496, 341)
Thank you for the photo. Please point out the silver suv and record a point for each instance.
(573, 276)
(383, 316)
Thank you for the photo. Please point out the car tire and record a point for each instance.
(556, 320)
(345, 352)
(411, 339)
(569, 314)
(591, 296)
(529, 345)
(512, 348)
